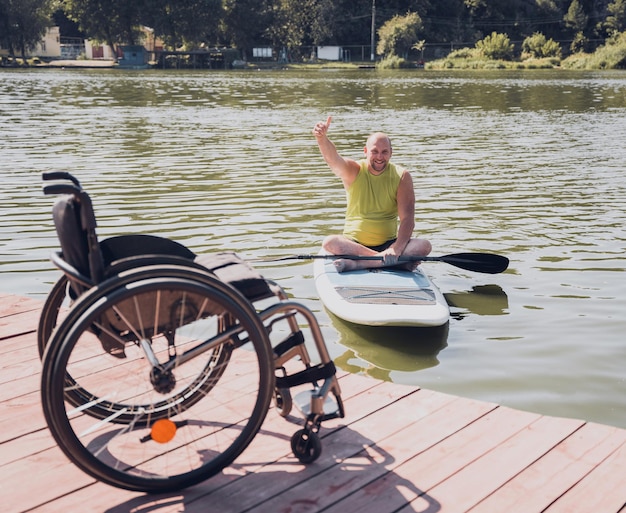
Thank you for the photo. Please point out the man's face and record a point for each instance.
(378, 153)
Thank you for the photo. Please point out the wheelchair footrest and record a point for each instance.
(303, 401)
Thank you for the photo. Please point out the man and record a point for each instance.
(378, 195)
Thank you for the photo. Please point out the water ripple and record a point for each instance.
(529, 165)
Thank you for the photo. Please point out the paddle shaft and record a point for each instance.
(359, 257)
(479, 262)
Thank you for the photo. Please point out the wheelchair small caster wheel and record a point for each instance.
(283, 401)
(306, 446)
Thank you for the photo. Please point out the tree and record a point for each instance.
(184, 23)
(539, 47)
(298, 23)
(112, 22)
(397, 35)
(496, 46)
(616, 22)
(67, 27)
(23, 24)
(576, 19)
(244, 23)
(420, 46)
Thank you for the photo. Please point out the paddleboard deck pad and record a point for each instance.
(381, 296)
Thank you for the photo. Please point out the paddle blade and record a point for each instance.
(478, 262)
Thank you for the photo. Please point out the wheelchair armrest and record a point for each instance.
(73, 274)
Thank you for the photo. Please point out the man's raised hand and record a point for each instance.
(321, 128)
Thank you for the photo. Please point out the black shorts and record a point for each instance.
(381, 247)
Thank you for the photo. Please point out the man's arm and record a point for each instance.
(406, 213)
(346, 169)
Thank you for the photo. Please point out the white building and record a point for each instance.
(50, 45)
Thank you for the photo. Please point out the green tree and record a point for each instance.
(616, 21)
(244, 23)
(113, 22)
(576, 19)
(539, 47)
(23, 24)
(420, 46)
(513, 17)
(398, 34)
(298, 23)
(496, 46)
(184, 23)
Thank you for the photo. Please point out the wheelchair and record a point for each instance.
(159, 366)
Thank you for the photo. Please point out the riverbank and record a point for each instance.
(66, 63)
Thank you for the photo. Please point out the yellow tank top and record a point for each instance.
(372, 206)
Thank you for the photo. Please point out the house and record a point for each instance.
(48, 47)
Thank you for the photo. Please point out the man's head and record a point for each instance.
(377, 152)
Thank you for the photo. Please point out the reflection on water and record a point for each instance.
(380, 350)
(383, 349)
(481, 300)
(528, 164)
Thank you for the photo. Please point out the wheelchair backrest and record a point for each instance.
(73, 239)
(75, 224)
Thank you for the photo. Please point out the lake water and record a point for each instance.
(527, 164)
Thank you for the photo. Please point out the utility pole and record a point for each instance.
(373, 40)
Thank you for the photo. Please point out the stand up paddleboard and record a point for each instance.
(381, 296)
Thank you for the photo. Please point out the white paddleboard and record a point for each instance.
(380, 297)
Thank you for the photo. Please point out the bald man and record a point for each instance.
(380, 213)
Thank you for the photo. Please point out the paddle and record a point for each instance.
(479, 262)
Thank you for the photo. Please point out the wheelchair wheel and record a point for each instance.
(57, 300)
(102, 407)
(306, 446)
(189, 396)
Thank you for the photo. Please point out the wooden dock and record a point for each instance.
(398, 449)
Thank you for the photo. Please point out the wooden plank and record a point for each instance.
(19, 342)
(18, 315)
(25, 446)
(336, 489)
(424, 470)
(601, 490)
(11, 304)
(47, 472)
(543, 482)
(349, 456)
(19, 364)
(476, 481)
(21, 414)
(17, 324)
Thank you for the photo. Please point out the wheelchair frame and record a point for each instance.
(159, 366)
